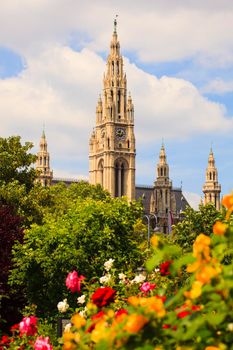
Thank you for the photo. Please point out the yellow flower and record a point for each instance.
(78, 321)
(134, 323)
(195, 291)
(219, 228)
(99, 332)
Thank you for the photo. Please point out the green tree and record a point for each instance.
(16, 162)
(89, 233)
(194, 223)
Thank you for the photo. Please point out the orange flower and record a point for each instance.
(78, 321)
(219, 228)
(212, 348)
(150, 304)
(154, 241)
(206, 273)
(227, 201)
(134, 323)
(69, 341)
(201, 249)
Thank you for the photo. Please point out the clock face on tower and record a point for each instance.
(120, 133)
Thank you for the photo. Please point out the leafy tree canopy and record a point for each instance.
(90, 232)
(194, 223)
(16, 161)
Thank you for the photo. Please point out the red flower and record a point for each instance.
(28, 326)
(164, 268)
(14, 328)
(73, 281)
(5, 340)
(103, 296)
(121, 312)
(100, 314)
(196, 307)
(166, 326)
(183, 314)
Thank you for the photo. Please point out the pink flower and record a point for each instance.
(28, 326)
(73, 281)
(42, 344)
(146, 286)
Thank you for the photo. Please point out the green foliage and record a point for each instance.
(194, 223)
(16, 161)
(83, 238)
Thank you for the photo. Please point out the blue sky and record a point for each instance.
(178, 59)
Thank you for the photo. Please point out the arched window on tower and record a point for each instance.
(120, 178)
(45, 161)
(119, 101)
(101, 172)
(40, 160)
(214, 176)
(112, 67)
(117, 67)
(128, 144)
(210, 176)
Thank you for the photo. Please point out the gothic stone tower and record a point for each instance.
(212, 188)
(162, 200)
(42, 164)
(112, 143)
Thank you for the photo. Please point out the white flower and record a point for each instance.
(67, 327)
(108, 264)
(83, 312)
(230, 327)
(157, 270)
(139, 278)
(122, 276)
(63, 306)
(105, 279)
(81, 300)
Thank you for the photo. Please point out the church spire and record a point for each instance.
(112, 145)
(211, 188)
(45, 175)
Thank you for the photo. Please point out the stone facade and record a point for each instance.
(112, 143)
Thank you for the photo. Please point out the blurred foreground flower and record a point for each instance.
(28, 326)
(42, 344)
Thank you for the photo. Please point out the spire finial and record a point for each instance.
(115, 24)
(162, 142)
(211, 147)
(43, 132)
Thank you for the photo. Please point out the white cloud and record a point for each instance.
(218, 86)
(155, 30)
(60, 87)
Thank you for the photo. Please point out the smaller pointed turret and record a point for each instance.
(45, 175)
(162, 166)
(212, 188)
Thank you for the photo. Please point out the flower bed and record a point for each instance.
(179, 301)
